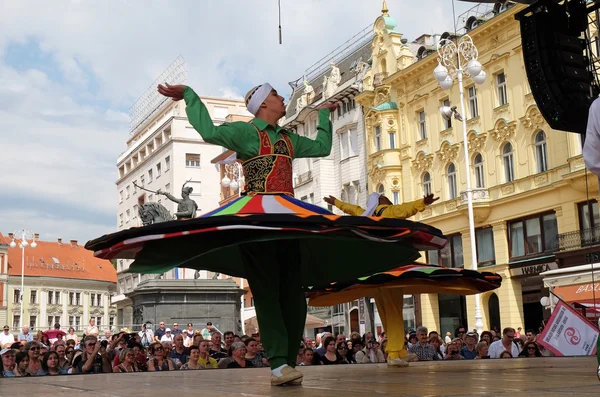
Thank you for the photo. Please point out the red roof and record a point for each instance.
(59, 259)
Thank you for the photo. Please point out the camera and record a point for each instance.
(129, 337)
(104, 344)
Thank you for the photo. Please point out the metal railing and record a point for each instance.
(579, 239)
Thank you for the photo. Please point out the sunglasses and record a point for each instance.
(158, 349)
(342, 348)
(531, 348)
(90, 344)
(35, 348)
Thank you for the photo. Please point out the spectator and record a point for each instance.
(45, 339)
(167, 337)
(157, 361)
(192, 362)
(63, 363)
(127, 362)
(94, 358)
(197, 339)
(72, 336)
(69, 353)
(22, 363)
(518, 333)
(18, 346)
(530, 349)
(436, 342)
(340, 338)
(206, 332)
(106, 336)
(236, 338)
(452, 352)
(506, 343)
(217, 351)
(6, 338)
(342, 351)
(179, 351)
(33, 349)
(322, 348)
(482, 350)
(448, 337)
(160, 331)
(25, 335)
(146, 335)
(460, 332)
(176, 330)
(167, 350)
(188, 335)
(8, 363)
(50, 364)
(486, 336)
(257, 358)
(229, 339)
(358, 355)
(506, 354)
(330, 356)
(459, 342)
(238, 353)
(531, 336)
(412, 339)
(422, 349)
(205, 359)
(468, 351)
(92, 330)
(308, 354)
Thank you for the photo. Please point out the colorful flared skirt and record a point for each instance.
(416, 278)
(331, 248)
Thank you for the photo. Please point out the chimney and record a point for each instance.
(10, 235)
(60, 241)
(74, 243)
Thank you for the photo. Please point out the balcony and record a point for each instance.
(478, 196)
(481, 204)
(378, 79)
(579, 239)
(303, 179)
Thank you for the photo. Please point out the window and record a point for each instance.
(127, 216)
(485, 245)
(158, 170)
(142, 180)
(392, 136)
(533, 235)
(71, 321)
(311, 198)
(33, 297)
(77, 322)
(127, 191)
(57, 297)
(150, 176)
(111, 321)
(422, 125)
(120, 219)
(50, 298)
(32, 323)
(588, 215)
(192, 160)
(92, 299)
(507, 162)
(451, 255)
(381, 190)
(121, 196)
(53, 320)
(378, 138)
(17, 296)
(541, 152)
(135, 187)
(478, 168)
(473, 107)
(426, 180)
(16, 321)
(71, 299)
(339, 110)
(348, 143)
(396, 197)
(78, 299)
(451, 175)
(168, 188)
(447, 123)
(501, 86)
(98, 322)
(167, 163)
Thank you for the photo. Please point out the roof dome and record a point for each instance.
(387, 106)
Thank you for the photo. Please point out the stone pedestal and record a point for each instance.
(188, 301)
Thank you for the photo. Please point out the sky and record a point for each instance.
(71, 69)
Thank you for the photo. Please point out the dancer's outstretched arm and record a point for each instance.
(348, 208)
(321, 145)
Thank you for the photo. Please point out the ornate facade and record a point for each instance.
(528, 180)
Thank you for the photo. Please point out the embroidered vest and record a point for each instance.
(270, 172)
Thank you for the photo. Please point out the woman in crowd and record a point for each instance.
(50, 364)
(157, 362)
(193, 357)
(255, 356)
(308, 355)
(506, 354)
(342, 351)
(8, 363)
(486, 336)
(435, 342)
(482, 350)
(69, 354)
(22, 363)
(330, 356)
(238, 355)
(71, 335)
(45, 340)
(139, 352)
(92, 329)
(126, 362)
(34, 348)
(530, 349)
(452, 351)
(38, 335)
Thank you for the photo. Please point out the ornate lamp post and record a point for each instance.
(453, 57)
(233, 176)
(22, 236)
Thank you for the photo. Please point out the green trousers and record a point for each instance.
(273, 270)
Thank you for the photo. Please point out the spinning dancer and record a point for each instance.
(279, 244)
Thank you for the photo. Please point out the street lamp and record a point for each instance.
(233, 176)
(452, 58)
(23, 236)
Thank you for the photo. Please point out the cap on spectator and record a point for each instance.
(209, 323)
(6, 327)
(471, 334)
(168, 330)
(3, 351)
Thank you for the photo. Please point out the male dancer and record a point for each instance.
(389, 301)
(273, 276)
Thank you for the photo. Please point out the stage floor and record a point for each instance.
(510, 377)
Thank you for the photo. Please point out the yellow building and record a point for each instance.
(529, 180)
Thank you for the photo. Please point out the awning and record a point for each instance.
(579, 293)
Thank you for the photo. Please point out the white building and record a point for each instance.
(165, 152)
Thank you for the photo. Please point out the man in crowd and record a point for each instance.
(506, 343)
(94, 359)
(206, 332)
(146, 335)
(25, 335)
(175, 330)
(160, 331)
(167, 337)
(531, 336)
(423, 350)
(228, 340)
(205, 360)
(468, 351)
(452, 352)
(6, 338)
(179, 351)
(217, 352)
(53, 333)
(188, 335)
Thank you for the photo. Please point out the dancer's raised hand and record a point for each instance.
(175, 92)
(331, 106)
(329, 200)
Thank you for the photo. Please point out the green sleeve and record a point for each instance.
(239, 137)
(321, 146)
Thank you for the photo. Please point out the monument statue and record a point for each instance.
(307, 96)
(153, 213)
(186, 207)
(331, 83)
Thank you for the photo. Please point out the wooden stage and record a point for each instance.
(509, 377)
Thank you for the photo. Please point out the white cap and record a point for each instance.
(168, 330)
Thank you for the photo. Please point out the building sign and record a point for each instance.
(592, 257)
(532, 298)
(533, 270)
(568, 333)
(361, 310)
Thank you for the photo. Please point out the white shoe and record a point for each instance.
(397, 362)
(410, 357)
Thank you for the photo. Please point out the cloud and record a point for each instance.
(70, 72)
